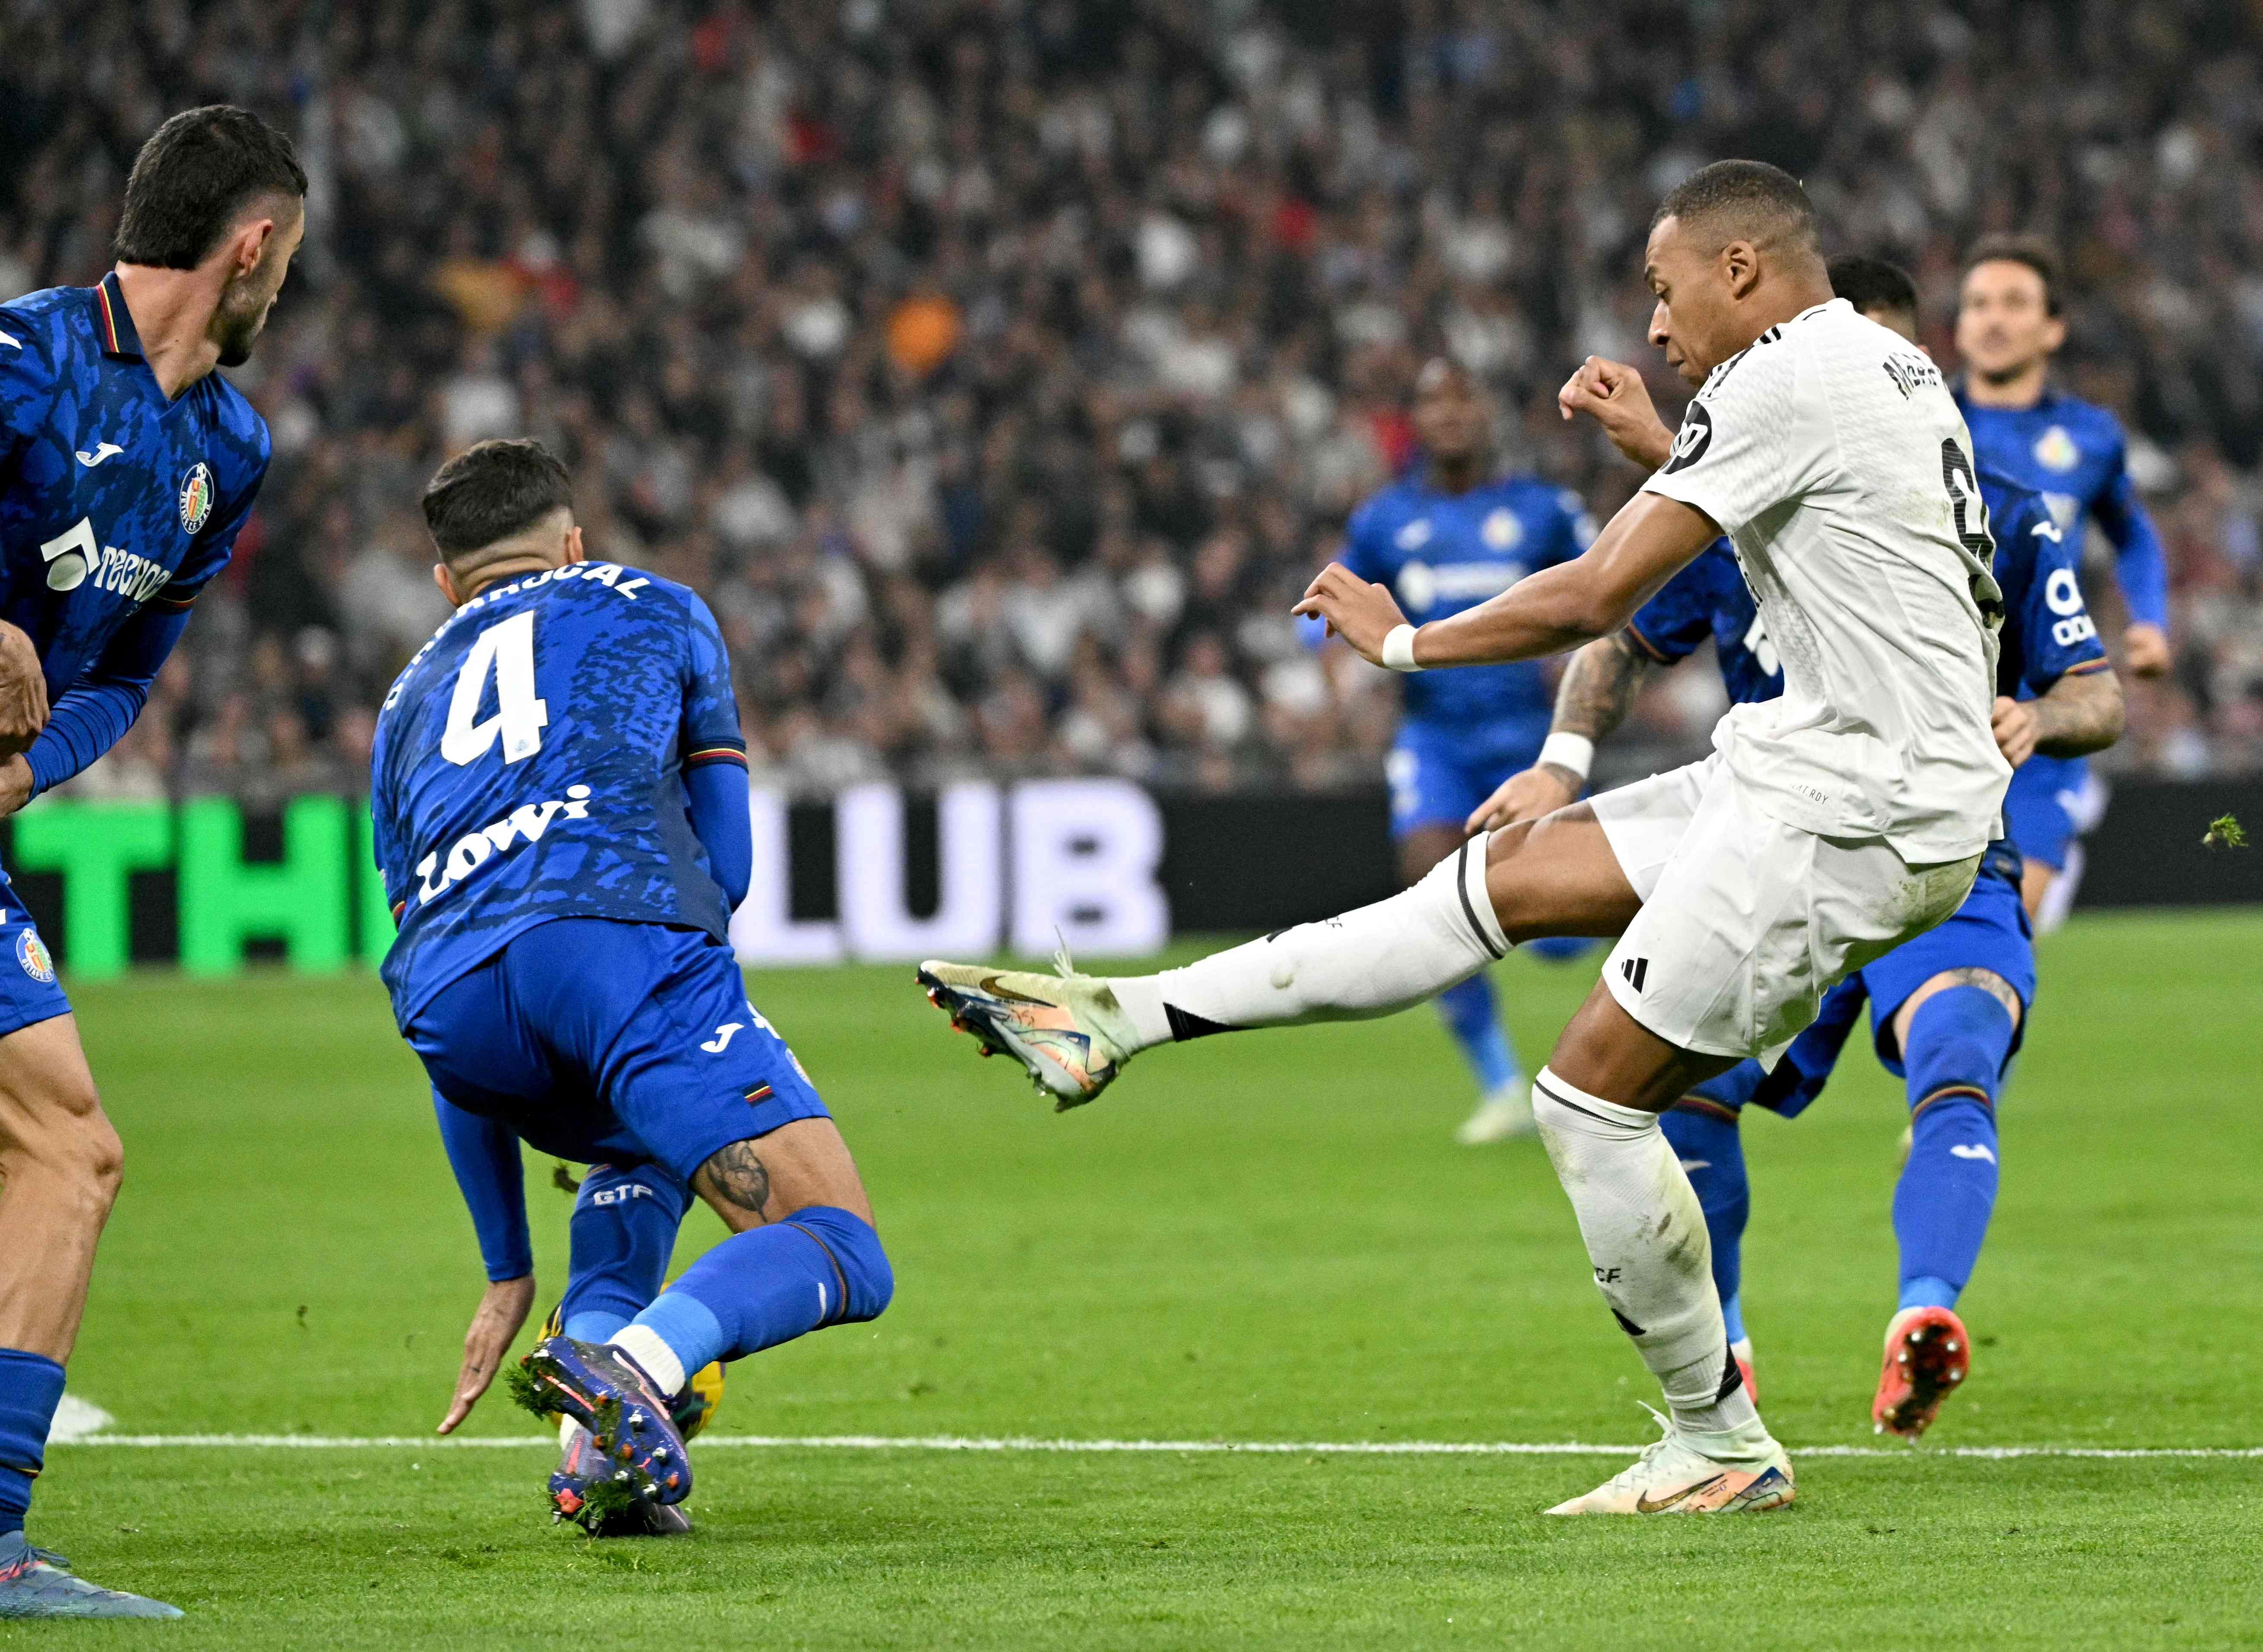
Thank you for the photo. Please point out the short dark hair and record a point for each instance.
(194, 176)
(1748, 201)
(2032, 250)
(1869, 284)
(491, 491)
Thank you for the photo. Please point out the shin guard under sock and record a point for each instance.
(1711, 1148)
(1957, 1045)
(1646, 1238)
(30, 1388)
(1373, 961)
(622, 1235)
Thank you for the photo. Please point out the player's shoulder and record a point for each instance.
(241, 445)
(1390, 503)
(2095, 426)
(42, 332)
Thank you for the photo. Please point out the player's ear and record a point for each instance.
(447, 585)
(574, 551)
(1740, 268)
(2054, 334)
(246, 246)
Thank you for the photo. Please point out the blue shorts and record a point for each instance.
(29, 992)
(1989, 931)
(2039, 807)
(609, 1042)
(1439, 776)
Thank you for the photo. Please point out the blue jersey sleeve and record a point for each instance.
(2139, 565)
(2047, 622)
(484, 1154)
(27, 389)
(1674, 624)
(715, 759)
(94, 714)
(1360, 548)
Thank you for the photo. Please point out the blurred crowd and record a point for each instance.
(1000, 370)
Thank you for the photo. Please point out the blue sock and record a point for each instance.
(623, 1234)
(30, 1386)
(1958, 1041)
(1712, 1152)
(1559, 949)
(1470, 1016)
(819, 1266)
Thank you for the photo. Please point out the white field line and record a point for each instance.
(962, 1443)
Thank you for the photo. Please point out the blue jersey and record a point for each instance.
(2075, 455)
(529, 765)
(1442, 552)
(117, 506)
(2047, 631)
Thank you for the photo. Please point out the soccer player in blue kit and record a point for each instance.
(127, 468)
(1948, 1008)
(1443, 538)
(2010, 322)
(560, 794)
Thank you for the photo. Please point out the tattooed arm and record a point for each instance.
(1598, 688)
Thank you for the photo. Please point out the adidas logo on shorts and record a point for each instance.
(1635, 970)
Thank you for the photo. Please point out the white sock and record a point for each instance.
(1377, 961)
(642, 1343)
(1646, 1235)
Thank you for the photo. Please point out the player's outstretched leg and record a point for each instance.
(1957, 1040)
(1074, 1033)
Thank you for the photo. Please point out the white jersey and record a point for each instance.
(1835, 460)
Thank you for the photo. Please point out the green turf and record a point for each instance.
(1269, 1237)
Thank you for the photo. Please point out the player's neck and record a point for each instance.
(1457, 475)
(172, 312)
(510, 567)
(2018, 391)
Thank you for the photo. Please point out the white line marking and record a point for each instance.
(1272, 1448)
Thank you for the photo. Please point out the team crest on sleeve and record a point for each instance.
(1692, 439)
(1502, 531)
(197, 497)
(32, 954)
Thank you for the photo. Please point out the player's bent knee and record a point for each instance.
(868, 1283)
(1958, 1042)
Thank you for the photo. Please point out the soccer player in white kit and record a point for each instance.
(1827, 827)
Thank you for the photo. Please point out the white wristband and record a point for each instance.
(1399, 649)
(1575, 752)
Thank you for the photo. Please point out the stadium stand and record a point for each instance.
(1002, 371)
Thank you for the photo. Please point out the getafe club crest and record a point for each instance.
(31, 953)
(2054, 450)
(196, 496)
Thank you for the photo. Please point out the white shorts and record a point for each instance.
(1746, 922)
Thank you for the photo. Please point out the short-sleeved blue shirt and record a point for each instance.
(529, 765)
(111, 496)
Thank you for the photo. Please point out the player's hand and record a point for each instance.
(1362, 614)
(502, 1310)
(2146, 650)
(1528, 794)
(23, 691)
(15, 785)
(1613, 395)
(2014, 725)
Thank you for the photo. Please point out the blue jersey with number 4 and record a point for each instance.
(529, 765)
(1441, 553)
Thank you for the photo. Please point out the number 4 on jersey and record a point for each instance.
(520, 718)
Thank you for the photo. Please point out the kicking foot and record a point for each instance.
(1674, 1476)
(693, 1409)
(599, 1495)
(609, 1393)
(1741, 1351)
(1067, 1030)
(36, 1582)
(1503, 1113)
(1927, 1357)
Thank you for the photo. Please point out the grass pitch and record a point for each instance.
(1266, 1238)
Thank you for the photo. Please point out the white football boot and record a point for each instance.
(1067, 1030)
(1501, 1115)
(1674, 1477)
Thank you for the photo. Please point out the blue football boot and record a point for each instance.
(609, 1393)
(36, 1582)
(599, 1495)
